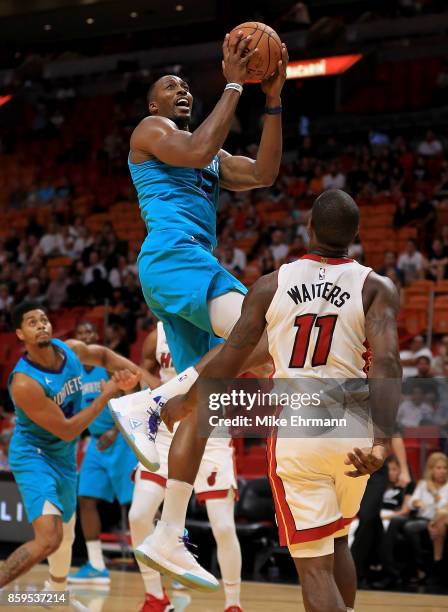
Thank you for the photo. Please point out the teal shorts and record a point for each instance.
(179, 275)
(107, 474)
(42, 477)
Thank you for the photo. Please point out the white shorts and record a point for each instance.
(216, 474)
(314, 500)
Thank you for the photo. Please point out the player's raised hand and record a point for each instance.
(174, 410)
(365, 460)
(236, 56)
(273, 86)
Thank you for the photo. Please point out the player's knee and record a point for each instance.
(224, 531)
(49, 542)
(141, 518)
(314, 569)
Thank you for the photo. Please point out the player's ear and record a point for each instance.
(153, 108)
(19, 334)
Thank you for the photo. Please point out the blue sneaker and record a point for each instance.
(87, 574)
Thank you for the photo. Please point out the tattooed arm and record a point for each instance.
(230, 360)
(381, 305)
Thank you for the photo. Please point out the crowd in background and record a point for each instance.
(415, 179)
(257, 232)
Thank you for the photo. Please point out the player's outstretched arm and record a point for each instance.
(103, 357)
(30, 397)
(239, 173)
(159, 137)
(381, 304)
(229, 362)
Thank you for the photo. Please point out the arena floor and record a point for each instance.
(125, 595)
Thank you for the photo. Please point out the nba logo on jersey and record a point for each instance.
(321, 273)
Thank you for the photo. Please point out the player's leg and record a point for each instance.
(94, 484)
(344, 570)
(224, 312)
(47, 539)
(60, 560)
(146, 500)
(319, 590)
(165, 549)
(49, 500)
(222, 520)
(137, 415)
(305, 485)
(349, 493)
(91, 530)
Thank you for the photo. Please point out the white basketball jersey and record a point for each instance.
(316, 323)
(163, 355)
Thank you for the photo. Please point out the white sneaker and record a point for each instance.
(165, 551)
(137, 417)
(73, 602)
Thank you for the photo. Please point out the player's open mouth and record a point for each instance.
(183, 102)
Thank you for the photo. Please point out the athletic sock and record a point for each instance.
(177, 496)
(56, 586)
(178, 385)
(152, 581)
(95, 555)
(232, 593)
(221, 516)
(350, 609)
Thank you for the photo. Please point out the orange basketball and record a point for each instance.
(264, 63)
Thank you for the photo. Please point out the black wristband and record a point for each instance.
(273, 110)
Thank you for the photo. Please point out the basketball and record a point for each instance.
(264, 63)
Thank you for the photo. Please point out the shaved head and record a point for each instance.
(152, 91)
(335, 219)
(169, 96)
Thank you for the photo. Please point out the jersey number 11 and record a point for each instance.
(305, 324)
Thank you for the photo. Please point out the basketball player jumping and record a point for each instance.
(215, 485)
(45, 387)
(318, 313)
(177, 175)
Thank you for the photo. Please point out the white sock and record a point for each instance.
(232, 592)
(146, 500)
(152, 581)
(178, 385)
(57, 586)
(95, 555)
(59, 562)
(350, 609)
(221, 516)
(177, 496)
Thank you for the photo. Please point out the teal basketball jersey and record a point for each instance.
(177, 198)
(91, 388)
(63, 386)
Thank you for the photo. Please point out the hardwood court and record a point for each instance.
(126, 593)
